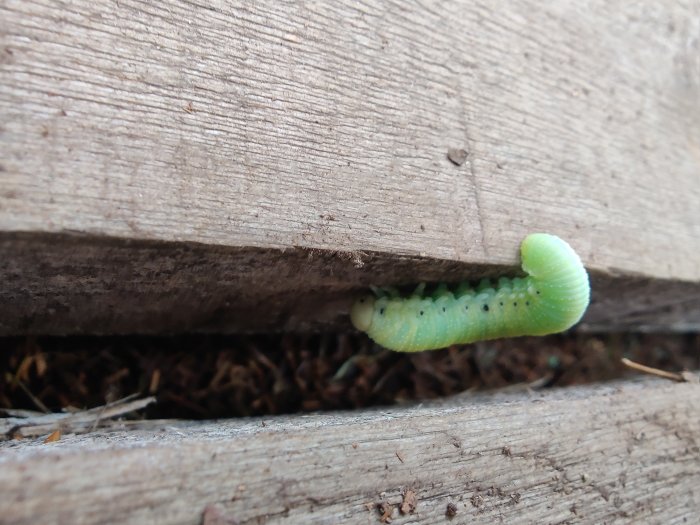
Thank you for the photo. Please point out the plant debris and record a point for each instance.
(385, 511)
(409, 502)
(206, 377)
(682, 377)
(22, 424)
(54, 436)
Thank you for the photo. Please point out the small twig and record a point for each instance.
(19, 413)
(541, 382)
(97, 418)
(537, 384)
(78, 422)
(101, 410)
(41, 406)
(682, 377)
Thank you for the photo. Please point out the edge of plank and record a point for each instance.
(621, 451)
(71, 284)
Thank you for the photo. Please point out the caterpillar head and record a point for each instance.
(544, 254)
(362, 313)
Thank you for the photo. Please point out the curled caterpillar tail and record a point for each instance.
(552, 297)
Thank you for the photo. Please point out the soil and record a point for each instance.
(199, 376)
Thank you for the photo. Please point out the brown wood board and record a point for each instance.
(617, 453)
(440, 131)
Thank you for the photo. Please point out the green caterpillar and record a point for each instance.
(551, 298)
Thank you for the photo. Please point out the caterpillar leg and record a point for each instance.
(441, 291)
(388, 291)
(418, 292)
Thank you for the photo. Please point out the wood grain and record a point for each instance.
(69, 284)
(619, 453)
(327, 126)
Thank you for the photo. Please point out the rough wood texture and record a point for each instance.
(327, 126)
(73, 284)
(621, 453)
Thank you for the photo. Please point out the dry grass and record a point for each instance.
(217, 376)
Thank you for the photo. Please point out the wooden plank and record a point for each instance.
(76, 284)
(326, 127)
(620, 453)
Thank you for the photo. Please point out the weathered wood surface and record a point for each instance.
(326, 126)
(73, 284)
(620, 453)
